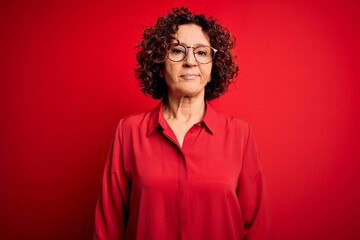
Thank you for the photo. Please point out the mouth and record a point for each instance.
(189, 76)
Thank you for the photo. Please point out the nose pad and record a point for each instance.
(190, 57)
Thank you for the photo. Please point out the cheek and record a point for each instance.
(171, 74)
(168, 70)
(207, 73)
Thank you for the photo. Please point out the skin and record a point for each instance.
(186, 81)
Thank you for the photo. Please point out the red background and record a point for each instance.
(66, 78)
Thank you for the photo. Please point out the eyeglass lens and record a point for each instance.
(202, 54)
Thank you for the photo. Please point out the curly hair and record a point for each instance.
(152, 52)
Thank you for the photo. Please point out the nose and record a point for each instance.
(190, 59)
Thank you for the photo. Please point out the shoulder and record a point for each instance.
(139, 122)
(134, 120)
(233, 120)
(227, 121)
(236, 124)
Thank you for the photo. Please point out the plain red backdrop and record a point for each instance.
(66, 78)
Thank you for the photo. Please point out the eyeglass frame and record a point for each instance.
(187, 51)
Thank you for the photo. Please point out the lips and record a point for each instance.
(189, 76)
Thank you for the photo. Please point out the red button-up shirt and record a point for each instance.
(210, 188)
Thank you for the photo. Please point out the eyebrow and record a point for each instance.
(195, 45)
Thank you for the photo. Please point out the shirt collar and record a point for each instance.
(157, 118)
(209, 118)
(154, 120)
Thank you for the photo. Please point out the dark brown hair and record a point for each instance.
(152, 52)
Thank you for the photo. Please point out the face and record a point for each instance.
(188, 78)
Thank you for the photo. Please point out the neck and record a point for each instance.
(184, 109)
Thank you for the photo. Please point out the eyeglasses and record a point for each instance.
(202, 54)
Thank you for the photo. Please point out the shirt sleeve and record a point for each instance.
(111, 208)
(252, 195)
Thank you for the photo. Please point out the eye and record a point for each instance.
(177, 50)
(201, 51)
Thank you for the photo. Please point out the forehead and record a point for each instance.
(192, 34)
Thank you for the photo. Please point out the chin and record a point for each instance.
(190, 93)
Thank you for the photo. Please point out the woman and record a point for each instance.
(183, 170)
